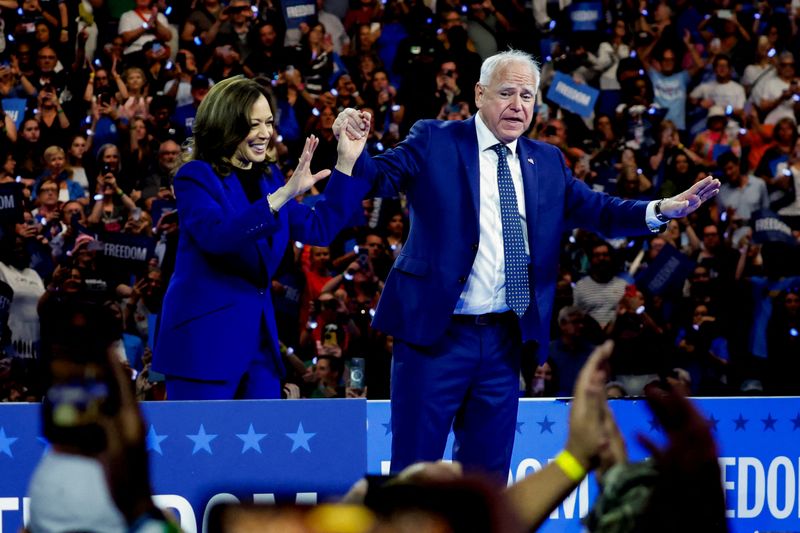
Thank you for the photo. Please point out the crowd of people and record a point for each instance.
(99, 97)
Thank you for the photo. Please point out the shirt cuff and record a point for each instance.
(653, 224)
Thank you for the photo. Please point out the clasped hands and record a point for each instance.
(356, 125)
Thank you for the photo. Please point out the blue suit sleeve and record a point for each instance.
(199, 193)
(318, 225)
(609, 215)
(389, 172)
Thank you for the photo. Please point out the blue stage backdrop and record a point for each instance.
(308, 450)
(206, 452)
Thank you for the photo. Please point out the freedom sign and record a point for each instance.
(586, 16)
(571, 95)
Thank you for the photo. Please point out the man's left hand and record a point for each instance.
(691, 199)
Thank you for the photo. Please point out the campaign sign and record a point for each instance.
(586, 16)
(297, 11)
(202, 453)
(668, 271)
(10, 203)
(768, 227)
(571, 95)
(758, 441)
(128, 250)
(15, 108)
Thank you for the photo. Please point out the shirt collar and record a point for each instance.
(486, 138)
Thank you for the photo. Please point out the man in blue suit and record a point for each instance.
(476, 278)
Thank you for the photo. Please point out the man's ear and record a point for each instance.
(479, 89)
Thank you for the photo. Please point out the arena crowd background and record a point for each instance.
(643, 98)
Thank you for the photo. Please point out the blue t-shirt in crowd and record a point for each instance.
(670, 94)
(184, 116)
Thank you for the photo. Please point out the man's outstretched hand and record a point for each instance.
(691, 199)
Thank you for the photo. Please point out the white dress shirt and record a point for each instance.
(485, 290)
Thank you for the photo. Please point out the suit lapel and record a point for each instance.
(238, 200)
(467, 143)
(530, 184)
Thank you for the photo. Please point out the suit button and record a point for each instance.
(462, 279)
(262, 292)
(475, 246)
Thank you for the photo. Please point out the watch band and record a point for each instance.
(659, 215)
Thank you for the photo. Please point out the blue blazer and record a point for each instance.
(437, 166)
(219, 298)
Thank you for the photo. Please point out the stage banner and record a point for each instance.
(206, 452)
(571, 95)
(308, 450)
(758, 441)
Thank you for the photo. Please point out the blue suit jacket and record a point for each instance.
(218, 296)
(437, 165)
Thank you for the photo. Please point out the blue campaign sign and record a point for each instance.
(297, 11)
(15, 108)
(768, 227)
(569, 94)
(586, 16)
(206, 452)
(668, 271)
(758, 441)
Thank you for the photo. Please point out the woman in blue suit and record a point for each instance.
(217, 338)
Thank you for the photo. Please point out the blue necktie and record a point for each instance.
(518, 295)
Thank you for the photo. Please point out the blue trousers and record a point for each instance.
(469, 381)
(260, 382)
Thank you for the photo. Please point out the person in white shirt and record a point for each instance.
(142, 25)
(775, 96)
(723, 91)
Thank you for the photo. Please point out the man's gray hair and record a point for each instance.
(494, 63)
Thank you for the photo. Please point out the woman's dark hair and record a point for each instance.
(223, 122)
(781, 122)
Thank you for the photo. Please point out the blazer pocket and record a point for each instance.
(202, 314)
(411, 265)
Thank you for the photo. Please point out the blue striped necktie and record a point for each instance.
(518, 296)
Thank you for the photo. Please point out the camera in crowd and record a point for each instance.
(79, 390)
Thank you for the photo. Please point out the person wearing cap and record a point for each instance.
(218, 336)
(717, 139)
